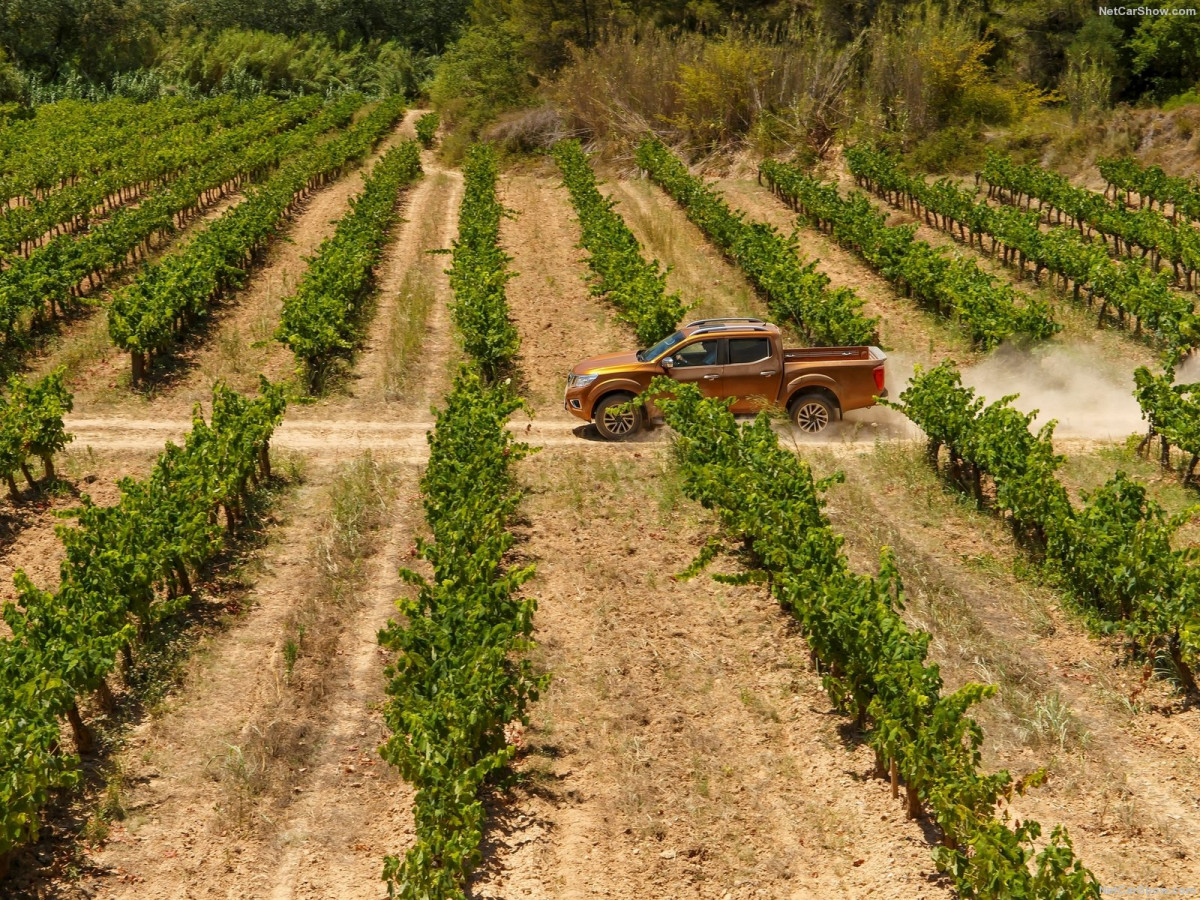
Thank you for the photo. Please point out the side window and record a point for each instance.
(701, 353)
(748, 350)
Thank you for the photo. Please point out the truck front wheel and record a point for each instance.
(812, 413)
(615, 423)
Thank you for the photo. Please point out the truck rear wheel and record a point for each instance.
(812, 413)
(617, 424)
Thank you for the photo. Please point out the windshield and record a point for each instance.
(660, 348)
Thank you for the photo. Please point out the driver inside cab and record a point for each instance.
(702, 353)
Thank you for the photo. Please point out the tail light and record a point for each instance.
(878, 373)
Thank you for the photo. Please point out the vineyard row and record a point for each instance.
(955, 287)
(51, 277)
(635, 286)
(796, 293)
(479, 270)
(461, 675)
(31, 426)
(1142, 297)
(1158, 237)
(1114, 553)
(322, 321)
(874, 666)
(1151, 183)
(71, 140)
(152, 161)
(145, 318)
(128, 567)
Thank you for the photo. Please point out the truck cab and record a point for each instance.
(741, 359)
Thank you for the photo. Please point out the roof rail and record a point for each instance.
(709, 329)
(729, 319)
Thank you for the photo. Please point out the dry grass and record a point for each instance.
(411, 309)
(960, 607)
(701, 278)
(276, 744)
(359, 500)
(691, 709)
(406, 330)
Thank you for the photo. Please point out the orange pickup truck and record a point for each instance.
(740, 358)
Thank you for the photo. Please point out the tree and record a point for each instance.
(1166, 52)
(484, 73)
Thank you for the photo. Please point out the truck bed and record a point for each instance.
(831, 354)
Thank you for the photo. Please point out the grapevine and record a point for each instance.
(796, 293)
(151, 161)
(322, 320)
(1172, 412)
(461, 675)
(145, 318)
(126, 567)
(1158, 237)
(51, 277)
(31, 424)
(427, 126)
(1151, 184)
(1141, 296)
(955, 287)
(873, 664)
(70, 141)
(478, 270)
(637, 288)
(1114, 552)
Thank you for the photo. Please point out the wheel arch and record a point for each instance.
(610, 390)
(808, 390)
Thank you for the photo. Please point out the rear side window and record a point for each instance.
(748, 350)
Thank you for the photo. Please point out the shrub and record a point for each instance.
(427, 127)
(481, 76)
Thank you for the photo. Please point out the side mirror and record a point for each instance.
(668, 362)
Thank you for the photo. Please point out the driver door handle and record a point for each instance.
(711, 377)
(768, 372)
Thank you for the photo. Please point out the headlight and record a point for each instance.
(574, 381)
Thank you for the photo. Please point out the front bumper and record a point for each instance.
(575, 402)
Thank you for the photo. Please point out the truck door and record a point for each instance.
(752, 374)
(701, 363)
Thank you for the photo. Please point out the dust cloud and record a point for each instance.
(1069, 384)
(1188, 371)
(1091, 398)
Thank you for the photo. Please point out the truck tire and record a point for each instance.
(811, 413)
(617, 426)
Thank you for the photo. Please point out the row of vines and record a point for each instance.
(635, 286)
(1115, 553)
(461, 677)
(1172, 413)
(873, 664)
(479, 270)
(54, 275)
(128, 567)
(958, 288)
(1126, 175)
(161, 154)
(64, 143)
(796, 293)
(31, 426)
(322, 320)
(1141, 295)
(1157, 237)
(145, 318)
